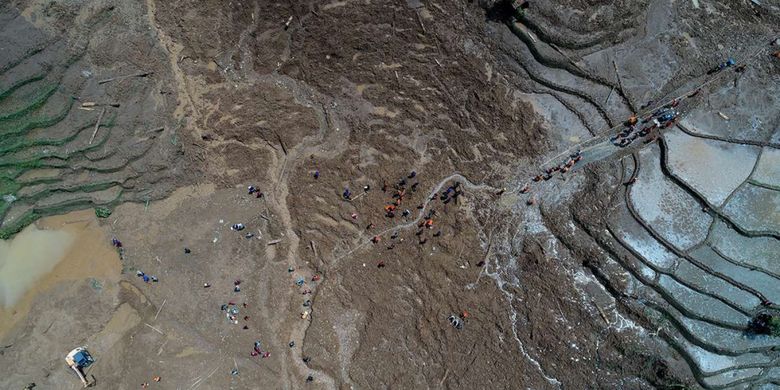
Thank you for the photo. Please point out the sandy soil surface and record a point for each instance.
(443, 110)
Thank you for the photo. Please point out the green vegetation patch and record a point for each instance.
(102, 212)
(8, 230)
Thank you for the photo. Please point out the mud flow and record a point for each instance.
(410, 194)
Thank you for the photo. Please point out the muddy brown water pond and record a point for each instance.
(26, 258)
(58, 249)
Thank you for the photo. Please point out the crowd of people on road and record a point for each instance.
(634, 128)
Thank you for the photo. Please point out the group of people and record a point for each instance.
(399, 193)
(634, 128)
(664, 117)
(451, 193)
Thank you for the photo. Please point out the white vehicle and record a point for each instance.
(79, 359)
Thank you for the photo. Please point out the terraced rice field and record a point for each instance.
(706, 239)
(692, 245)
(66, 140)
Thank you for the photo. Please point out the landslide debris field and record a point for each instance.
(447, 194)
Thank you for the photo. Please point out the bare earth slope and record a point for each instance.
(639, 268)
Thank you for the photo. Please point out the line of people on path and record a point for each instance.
(563, 167)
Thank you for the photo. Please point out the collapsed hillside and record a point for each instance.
(395, 244)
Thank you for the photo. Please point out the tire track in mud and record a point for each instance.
(307, 97)
(174, 50)
(297, 326)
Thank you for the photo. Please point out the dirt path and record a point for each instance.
(601, 137)
(296, 325)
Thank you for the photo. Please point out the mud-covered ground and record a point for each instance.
(303, 100)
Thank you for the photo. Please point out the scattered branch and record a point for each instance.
(313, 248)
(278, 137)
(160, 309)
(155, 329)
(141, 74)
(419, 19)
(97, 125)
